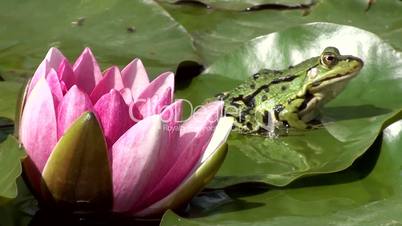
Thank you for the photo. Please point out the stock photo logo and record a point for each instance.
(115, 141)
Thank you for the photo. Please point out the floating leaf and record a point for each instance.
(117, 31)
(366, 194)
(351, 122)
(241, 5)
(8, 98)
(218, 32)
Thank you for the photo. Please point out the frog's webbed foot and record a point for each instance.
(294, 122)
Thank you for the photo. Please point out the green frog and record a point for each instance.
(271, 101)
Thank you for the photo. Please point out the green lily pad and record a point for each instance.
(366, 194)
(218, 32)
(248, 4)
(8, 98)
(117, 31)
(351, 122)
(19, 211)
(10, 168)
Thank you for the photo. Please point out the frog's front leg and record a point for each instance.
(289, 115)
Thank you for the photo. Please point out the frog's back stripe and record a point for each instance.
(249, 98)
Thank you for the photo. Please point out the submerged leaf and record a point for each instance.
(10, 168)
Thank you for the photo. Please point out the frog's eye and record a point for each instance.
(329, 59)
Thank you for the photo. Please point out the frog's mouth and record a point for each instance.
(331, 82)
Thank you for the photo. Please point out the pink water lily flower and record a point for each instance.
(114, 141)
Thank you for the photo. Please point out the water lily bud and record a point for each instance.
(115, 141)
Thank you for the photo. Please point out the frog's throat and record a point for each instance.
(317, 96)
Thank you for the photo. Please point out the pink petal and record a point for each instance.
(207, 115)
(221, 134)
(55, 87)
(63, 87)
(159, 86)
(156, 96)
(52, 61)
(38, 124)
(74, 103)
(154, 104)
(134, 157)
(201, 174)
(135, 113)
(110, 80)
(113, 115)
(135, 77)
(173, 112)
(195, 135)
(40, 72)
(126, 94)
(54, 57)
(87, 71)
(168, 153)
(65, 71)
